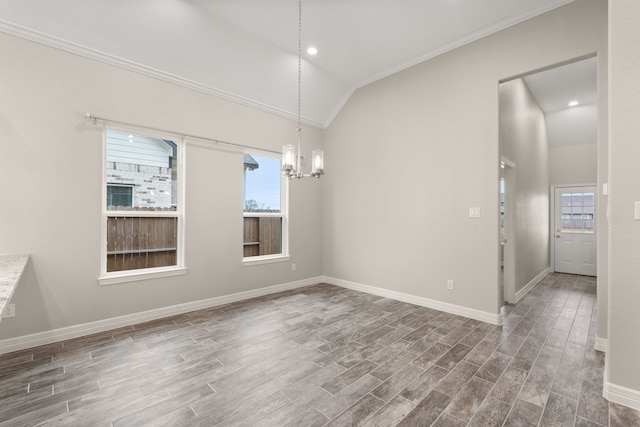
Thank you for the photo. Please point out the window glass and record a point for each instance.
(119, 195)
(145, 164)
(263, 207)
(142, 223)
(578, 212)
(262, 184)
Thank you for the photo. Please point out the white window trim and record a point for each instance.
(141, 274)
(284, 214)
(264, 259)
(126, 276)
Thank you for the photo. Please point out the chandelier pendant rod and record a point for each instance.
(298, 160)
(292, 160)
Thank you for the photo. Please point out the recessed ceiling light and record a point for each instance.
(573, 103)
(312, 50)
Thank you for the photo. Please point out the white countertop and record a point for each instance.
(11, 268)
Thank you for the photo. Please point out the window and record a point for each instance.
(578, 211)
(142, 214)
(119, 195)
(265, 200)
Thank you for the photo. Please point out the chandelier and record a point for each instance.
(290, 159)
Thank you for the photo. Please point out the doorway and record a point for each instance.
(574, 237)
(507, 240)
(548, 126)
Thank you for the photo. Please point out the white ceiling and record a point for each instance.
(246, 50)
(555, 88)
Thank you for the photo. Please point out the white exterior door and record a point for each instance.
(575, 230)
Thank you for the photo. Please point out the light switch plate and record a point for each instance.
(474, 212)
(637, 212)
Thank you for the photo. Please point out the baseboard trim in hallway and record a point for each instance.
(621, 395)
(522, 292)
(601, 344)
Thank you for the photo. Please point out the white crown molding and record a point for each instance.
(75, 331)
(339, 107)
(477, 35)
(483, 316)
(125, 64)
(86, 52)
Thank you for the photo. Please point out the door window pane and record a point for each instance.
(578, 212)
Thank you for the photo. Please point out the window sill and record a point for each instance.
(137, 275)
(265, 259)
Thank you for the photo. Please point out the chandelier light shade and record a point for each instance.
(290, 158)
(317, 163)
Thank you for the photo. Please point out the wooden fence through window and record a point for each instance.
(262, 236)
(141, 242)
(135, 242)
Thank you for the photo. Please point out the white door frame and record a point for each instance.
(552, 219)
(509, 230)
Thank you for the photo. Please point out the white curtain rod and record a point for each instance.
(94, 119)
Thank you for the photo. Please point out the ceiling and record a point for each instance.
(555, 88)
(246, 50)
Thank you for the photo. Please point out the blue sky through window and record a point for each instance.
(263, 184)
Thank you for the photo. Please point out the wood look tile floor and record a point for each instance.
(323, 355)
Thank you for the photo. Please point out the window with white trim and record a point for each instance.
(265, 208)
(142, 204)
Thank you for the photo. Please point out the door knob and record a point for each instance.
(557, 236)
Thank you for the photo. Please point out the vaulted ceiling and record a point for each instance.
(246, 50)
(568, 96)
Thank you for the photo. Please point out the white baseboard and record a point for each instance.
(75, 331)
(522, 292)
(621, 395)
(617, 393)
(483, 316)
(601, 344)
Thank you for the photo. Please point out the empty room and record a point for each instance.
(184, 239)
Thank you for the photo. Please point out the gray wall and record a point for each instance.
(413, 152)
(406, 158)
(523, 140)
(623, 357)
(573, 164)
(45, 94)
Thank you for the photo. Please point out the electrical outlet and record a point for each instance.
(9, 311)
(293, 266)
(450, 284)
